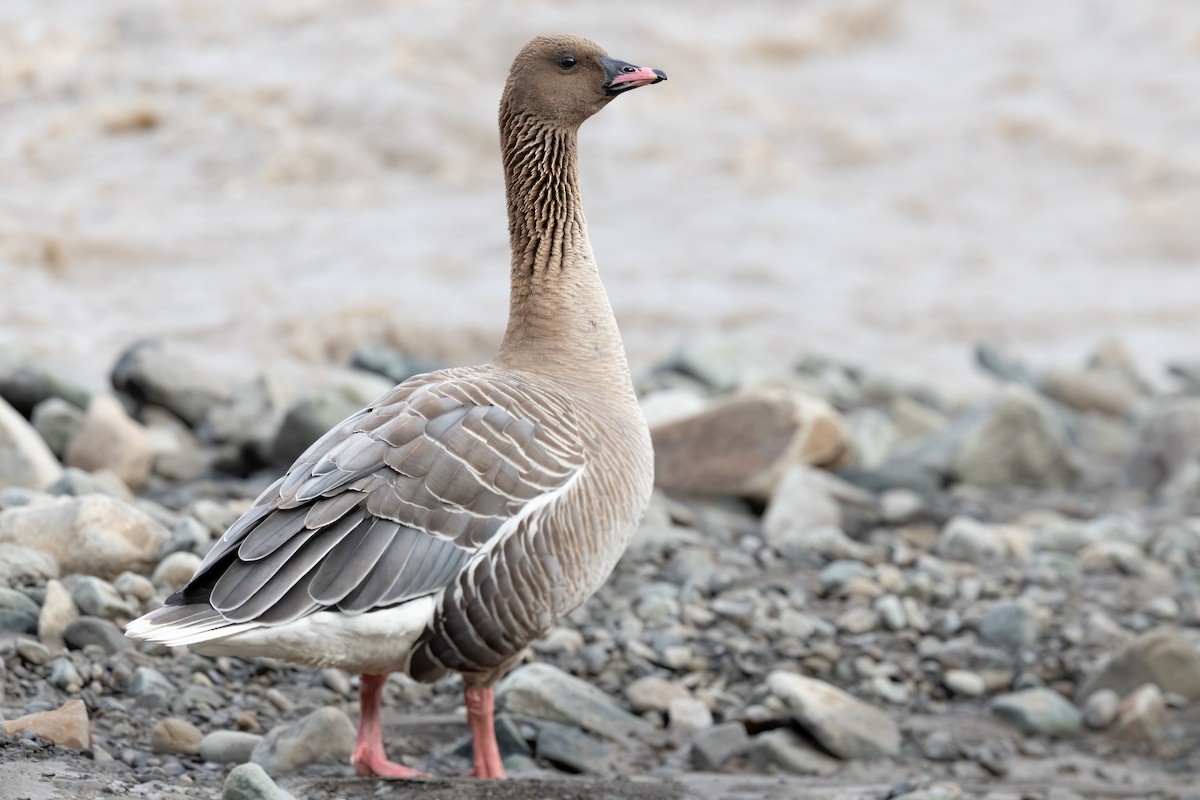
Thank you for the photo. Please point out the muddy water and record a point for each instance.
(876, 181)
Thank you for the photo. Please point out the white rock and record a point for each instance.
(689, 715)
(844, 725)
(802, 501)
(965, 683)
(91, 535)
(58, 611)
(25, 459)
(176, 569)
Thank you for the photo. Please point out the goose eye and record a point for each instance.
(566, 62)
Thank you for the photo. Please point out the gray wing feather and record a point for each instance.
(349, 564)
(392, 503)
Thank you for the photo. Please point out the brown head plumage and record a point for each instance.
(563, 80)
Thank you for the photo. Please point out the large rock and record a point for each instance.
(1039, 712)
(91, 535)
(109, 439)
(743, 445)
(25, 460)
(1168, 657)
(66, 725)
(844, 725)
(167, 375)
(326, 734)
(1019, 439)
(543, 692)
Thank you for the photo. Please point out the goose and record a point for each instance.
(450, 524)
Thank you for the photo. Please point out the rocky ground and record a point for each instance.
(847, 586)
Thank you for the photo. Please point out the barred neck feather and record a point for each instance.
(560, 321)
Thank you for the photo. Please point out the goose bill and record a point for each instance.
(623, 76)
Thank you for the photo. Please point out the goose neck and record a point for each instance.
(559, 319)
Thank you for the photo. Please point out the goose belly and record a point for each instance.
(374, 643)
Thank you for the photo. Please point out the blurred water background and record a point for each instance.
(876, 181)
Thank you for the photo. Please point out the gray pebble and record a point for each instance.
(64, 675)
(1042, 712)
(891, 611)
(32, 651)
(1011, 624)
(96, 631)
(98, 598)
(1100, 710)
(18, 613)
(228, 747)
(713, 747)
(251, 782)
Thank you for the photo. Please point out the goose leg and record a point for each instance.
(481, 701)
(368, 757)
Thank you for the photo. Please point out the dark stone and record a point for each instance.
(24, 382)
(97, 631)
(308, 419)
(18, 614)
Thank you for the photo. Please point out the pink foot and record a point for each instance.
(370, 764)
(368, 757)
(481, 701)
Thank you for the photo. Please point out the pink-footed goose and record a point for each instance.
(449, 524)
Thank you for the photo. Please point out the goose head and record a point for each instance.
(563, 80)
